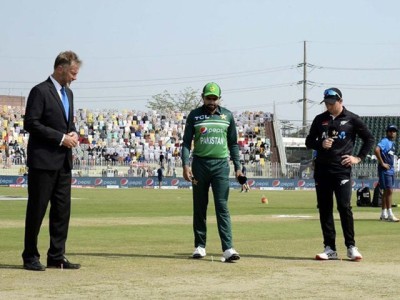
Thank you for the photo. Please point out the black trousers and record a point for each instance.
(328, 184)
(45, 186)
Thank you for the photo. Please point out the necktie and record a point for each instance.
(64, 99)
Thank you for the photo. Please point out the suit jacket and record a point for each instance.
(46, 123)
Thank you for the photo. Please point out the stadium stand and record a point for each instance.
(377, 125)
(134, 143)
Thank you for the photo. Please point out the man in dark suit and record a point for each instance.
(52, 135)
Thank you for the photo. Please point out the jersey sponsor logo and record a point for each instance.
(216, 130)
(333, 134)
(205, 130)
(337, 135)
(202, 117)
(342, 135)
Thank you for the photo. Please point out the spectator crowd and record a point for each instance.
(130, 138)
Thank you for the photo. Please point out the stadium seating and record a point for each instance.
(122, 138)
(377, 125)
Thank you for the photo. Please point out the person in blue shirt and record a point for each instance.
(385, 151)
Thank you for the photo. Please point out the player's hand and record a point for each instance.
(187, 173)
(349, 160)
(327, 143)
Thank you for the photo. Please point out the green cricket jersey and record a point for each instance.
(214, 135)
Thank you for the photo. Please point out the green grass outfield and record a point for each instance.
(136, 243)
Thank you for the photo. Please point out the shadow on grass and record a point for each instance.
(183, 256)
(16, 267)
(278, 257)
(186, 256)
(116, 255)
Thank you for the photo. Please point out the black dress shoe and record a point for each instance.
(63, 263)
(34, 266)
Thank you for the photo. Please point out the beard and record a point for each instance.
(211, 108)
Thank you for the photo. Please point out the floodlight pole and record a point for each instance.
(305, 87)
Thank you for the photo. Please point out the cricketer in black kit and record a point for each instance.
(332, 135)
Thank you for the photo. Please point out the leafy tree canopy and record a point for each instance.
(184, 101)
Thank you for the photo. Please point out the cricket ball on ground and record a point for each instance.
(264, 199)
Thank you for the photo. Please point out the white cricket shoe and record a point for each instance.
(327, 254)
(392, 218)
(231, 254)
(383, 217)
(353, 253)
(199, 252)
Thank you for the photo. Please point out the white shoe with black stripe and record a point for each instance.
(328, 254)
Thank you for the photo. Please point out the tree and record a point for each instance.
(184, 101)
(161, 102)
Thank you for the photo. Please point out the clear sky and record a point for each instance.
(135, 49)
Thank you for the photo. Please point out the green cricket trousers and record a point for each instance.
(214, 172)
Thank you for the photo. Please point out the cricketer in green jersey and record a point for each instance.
(212, 130)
